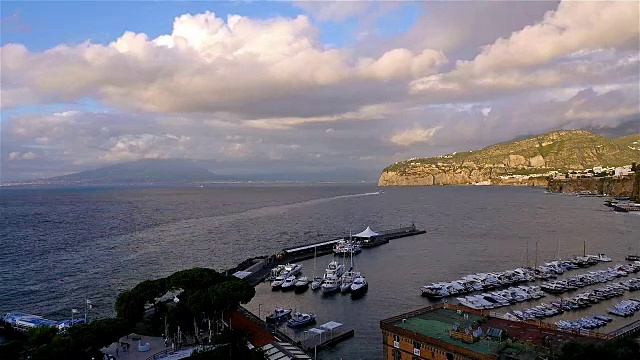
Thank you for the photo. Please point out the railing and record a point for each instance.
(625, 330)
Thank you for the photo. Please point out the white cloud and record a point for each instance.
(414, 136)
(206, 64)
(14, 155)
(334, 10)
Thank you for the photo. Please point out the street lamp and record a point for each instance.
(305, 335)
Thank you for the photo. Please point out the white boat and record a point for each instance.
(359, 285)
(330, 284)
(334, 269)
(347, 278)
(289, 282)
(291, 269)
(301, 282)
(277, 283)
(275, 272)
(317, 280)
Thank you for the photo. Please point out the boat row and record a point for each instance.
(625, 308)
(487, 281)
(282, 272)
(293, 319)
(590, 278)
(587, 323)
(501, 298)
(344, 247)
(335, 278)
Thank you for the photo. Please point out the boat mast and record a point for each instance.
(315, 254)
(584, 248)
(536, 254)
(527, 252)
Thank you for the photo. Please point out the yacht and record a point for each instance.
(316, 283)
(334, 269)
(275, 272)
(301, 283)
(299, 319)
(288, 283)
(331, 283)
(291, 269)
(359, 285)
(277, 282)
(347, 279)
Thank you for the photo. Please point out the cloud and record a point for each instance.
(207, 64)
(14, 155)
(249, 95)
(413, 136)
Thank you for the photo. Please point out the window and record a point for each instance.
(449, 356)
(397, 355)
(416, 348)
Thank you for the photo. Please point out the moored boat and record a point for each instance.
(299, 319)
(288, 283)
(278, 315)
(360, 285)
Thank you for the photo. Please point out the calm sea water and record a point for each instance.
(62, 246)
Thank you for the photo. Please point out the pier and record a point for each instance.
(257, 269)
(329, 334)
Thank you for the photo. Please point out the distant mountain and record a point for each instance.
(556, 150)
(142, 171)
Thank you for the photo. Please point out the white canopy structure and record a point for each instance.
(367, 233)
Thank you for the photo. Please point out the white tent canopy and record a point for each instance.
(367, 233)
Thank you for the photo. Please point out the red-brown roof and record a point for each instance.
(258, 336)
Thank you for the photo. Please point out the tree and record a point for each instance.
(621, 349)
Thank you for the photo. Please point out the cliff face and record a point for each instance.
(635, 194)
(463, 176)
(620, 186)
(558, 150)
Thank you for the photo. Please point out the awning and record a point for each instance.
(367, 233)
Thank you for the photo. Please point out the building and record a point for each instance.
(453, 332)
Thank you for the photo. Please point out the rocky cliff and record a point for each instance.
(613, 186)
(558, 150)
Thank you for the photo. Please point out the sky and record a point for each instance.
(254, 87)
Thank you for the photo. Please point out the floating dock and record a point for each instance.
(327, 335)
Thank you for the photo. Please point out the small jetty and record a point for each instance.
(327, 335)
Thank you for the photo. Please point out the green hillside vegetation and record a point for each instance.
(630, 141)
(557, 150)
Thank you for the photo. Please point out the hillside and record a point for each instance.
(142, 171)
(558, 150)
(630, 141)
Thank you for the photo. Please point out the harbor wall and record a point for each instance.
(613, 186)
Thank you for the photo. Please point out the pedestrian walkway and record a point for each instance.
(120, 350)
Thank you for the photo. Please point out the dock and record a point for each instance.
(328, 334)
(258, 269)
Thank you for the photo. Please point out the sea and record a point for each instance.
(62, 246)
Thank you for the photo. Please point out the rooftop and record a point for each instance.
(437, 324)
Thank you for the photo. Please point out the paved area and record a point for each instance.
(117, 350)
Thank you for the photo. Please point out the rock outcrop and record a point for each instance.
(613, 186)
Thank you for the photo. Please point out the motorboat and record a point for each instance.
(359, 285)
(347, 280)
(330, 284)
(299, 319)
(316, 283)
(334, 269)
(277, 283)
(291, 269)
(288, 283)
(275, 272)
(302, 282)
(278, 315)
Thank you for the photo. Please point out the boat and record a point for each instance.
(277, 283)
(278, 315)
(288, 283)
(334, 269)
(317, 280)
(301, 283)
(331, 283)
(275, 272)
(360, 285)
(298, 320)
(347, 278)
(632, 257)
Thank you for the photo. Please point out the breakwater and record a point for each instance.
(612, 186)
